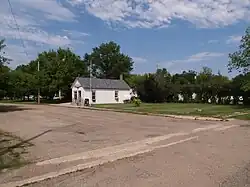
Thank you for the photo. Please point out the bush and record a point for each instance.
(132, 99)
(126, 101)
(137, 102)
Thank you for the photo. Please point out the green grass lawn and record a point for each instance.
(42, 101)
(219, 111)
(17, 102)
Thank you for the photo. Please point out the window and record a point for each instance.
(116, 96)
(93, 97)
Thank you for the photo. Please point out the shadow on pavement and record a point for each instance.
(12, 108)
(12, 149)
(4, 150)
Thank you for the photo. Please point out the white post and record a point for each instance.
(60, 94)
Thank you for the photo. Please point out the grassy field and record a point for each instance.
(42, 101)
(219, 111)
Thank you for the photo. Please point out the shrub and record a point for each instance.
(132, 99)
(126, 101)
(137, 102)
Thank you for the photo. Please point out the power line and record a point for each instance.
(18, 29)
(24, 48)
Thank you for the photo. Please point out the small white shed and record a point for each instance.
(100, 91)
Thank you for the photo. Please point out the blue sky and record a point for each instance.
(177, 35)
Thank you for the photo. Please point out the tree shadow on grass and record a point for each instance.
(12, 108)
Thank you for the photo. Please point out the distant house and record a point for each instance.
(100, 91)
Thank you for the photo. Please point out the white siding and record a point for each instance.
(77, 88)
(102, 96)
(107, 96)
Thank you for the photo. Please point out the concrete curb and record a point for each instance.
(147, 113)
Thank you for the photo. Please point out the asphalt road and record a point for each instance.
(118, 149)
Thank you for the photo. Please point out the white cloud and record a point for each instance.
(18, 54)
(31, 18)
(36, 35)
(29, 21)
(160, 13)
(199, 57)
(50, 9)
(213, 41)
(76, 34)
(234, 39)
(139, 59)
(203, 56)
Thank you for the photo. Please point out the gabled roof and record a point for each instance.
(103, 83)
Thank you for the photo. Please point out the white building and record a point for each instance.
(100, 91)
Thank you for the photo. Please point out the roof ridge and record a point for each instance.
(98, 83)
(101, 78)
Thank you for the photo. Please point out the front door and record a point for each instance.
(75, 96)
(79, 98)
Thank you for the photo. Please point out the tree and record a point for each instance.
(155, 87)
(4, 80)
(236, 88)
(219, 88)
(4, 70)
(240, 59)
(134, 80)
(184, 84)
(108, 61)
(58, 69)
(3, 59)
(147, 91)
(204, 88)
(21, 84)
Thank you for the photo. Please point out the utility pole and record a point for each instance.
(38, 91)
(90, 81)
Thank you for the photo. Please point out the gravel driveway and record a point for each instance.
(139, 150)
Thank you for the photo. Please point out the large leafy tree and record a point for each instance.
(4, 70)
(4, 80)
(184, 84)
(220, 88)
(3, 59)
(58, 69)
(236, 87)
(203, 80)
(21, 84)
(108, 61)
(240, 59)
(134, 80)
(148, 90)
(155, 87)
